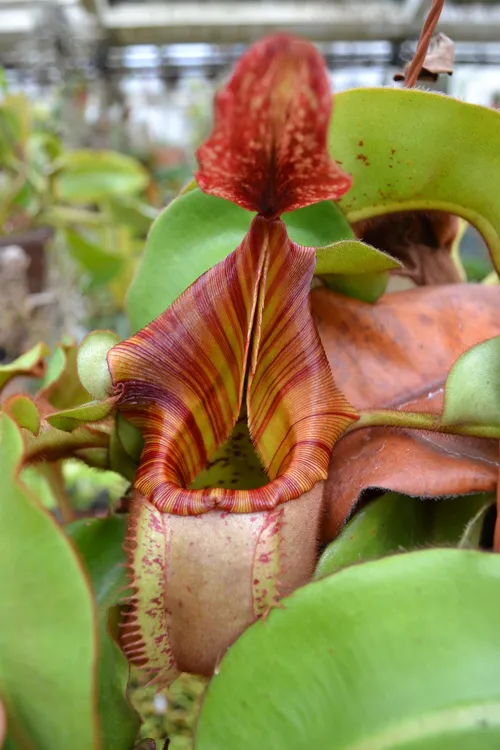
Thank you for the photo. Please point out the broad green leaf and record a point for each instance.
(87, 176)
(195, 232)
(69, 419)
(120, 460)
(39, 485)
(367, 287)
(9, 135)
(24, 412)
(92, 365)
(133, 213)
(100, 544)
(398, 523)
(354, 268)
(190, 236)
(46, 480)
(100, 264)
(318, 225)
(472, 391)
(62, 387)
(60, 216)
(52, 444)
(57, 361)
(86, 485)
(414, 150)
(399, 653)
(47, 641)
(44, 147)
(130, 437)
(29, 364)
(352, 257)
(15, 124)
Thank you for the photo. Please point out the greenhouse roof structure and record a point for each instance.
(126, 22)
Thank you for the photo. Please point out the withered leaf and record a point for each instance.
(439, 59)
(421, 240)
(396, 354)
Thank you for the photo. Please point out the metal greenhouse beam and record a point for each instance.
(219, 22)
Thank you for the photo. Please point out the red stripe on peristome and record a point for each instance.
(186, 410)
(293, 383)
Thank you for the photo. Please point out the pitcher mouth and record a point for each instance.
(238, 338)
(242, 335)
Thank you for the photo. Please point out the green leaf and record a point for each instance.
(414, 150)
(62, 387)
(133, 213)
(399, 653)
(367, 287)
(354, 268)
(352, 257)
(190, 236)
(398, 523)
(69, 419)
(52, 444)
(130, 437)
(38, 483)
(47, 640)
(100, 544)
(120, 460)
(15, 124)
(195, 232)
(100, 264)
(92, 364)
(87, 176)
(24, 412)
(472, 390)
(320, 224)
(28, 364)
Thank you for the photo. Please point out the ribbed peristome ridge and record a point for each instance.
(146, 637)
(181, 380)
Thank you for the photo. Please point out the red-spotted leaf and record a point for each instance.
(181, 380)
(267, 151)
(411, 150)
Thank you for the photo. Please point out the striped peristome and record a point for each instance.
(181, 380)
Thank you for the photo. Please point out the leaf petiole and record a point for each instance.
(419, 421)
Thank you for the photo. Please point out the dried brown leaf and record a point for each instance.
(421, 240)
(396, 354)
(439, 59)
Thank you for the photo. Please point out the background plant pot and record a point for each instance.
(33, 242)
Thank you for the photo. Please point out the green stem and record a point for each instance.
(419, 421)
